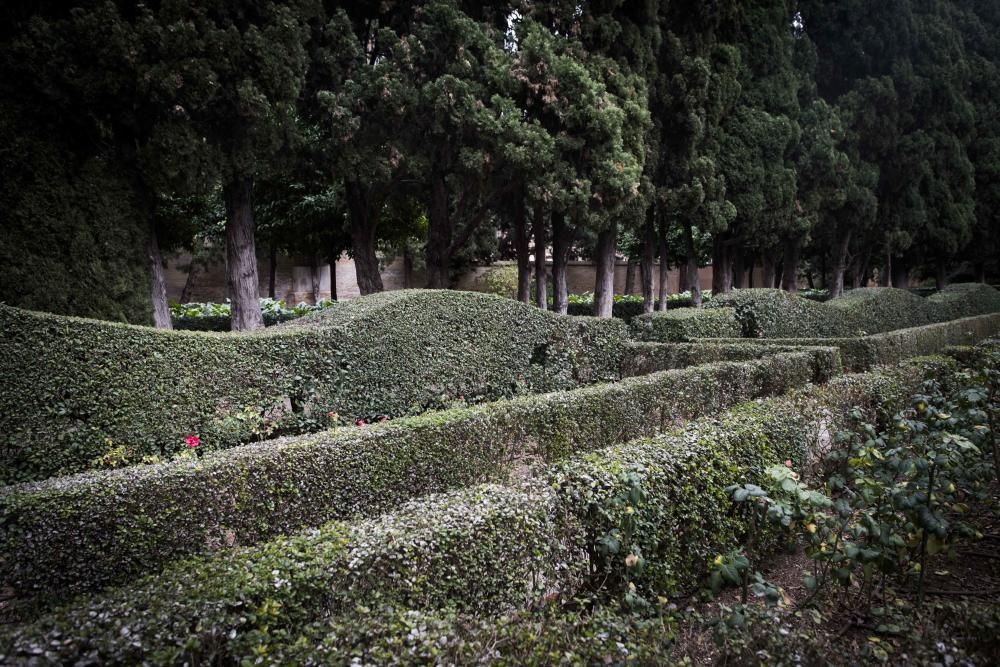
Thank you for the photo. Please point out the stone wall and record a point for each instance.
(293, 279)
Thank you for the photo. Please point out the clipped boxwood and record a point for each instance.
(965, 300)
(465, 550)
(642, 358)
(95, 529)
(77, 394)
(683, 476)
(774, 313)
(864, 352)
(871, 310)
(677, 326)
(477, 551)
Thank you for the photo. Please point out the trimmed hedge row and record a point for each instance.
(84, 532)
(678, 326)
(79, 394)
(480, 550)
(865, 352)
(645, 358)
(772, 313)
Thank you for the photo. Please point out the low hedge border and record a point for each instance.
(865, 352)
(482, 550)
(644, 358)
(679, 514)
(79, 394)
(68, 535)
(773, 313)
(678, 326)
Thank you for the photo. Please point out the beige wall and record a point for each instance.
(293, 281)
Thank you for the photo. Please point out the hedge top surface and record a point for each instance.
(77, 393)
(870, 310)
(774, 313)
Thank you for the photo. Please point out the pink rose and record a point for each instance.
(192, 441)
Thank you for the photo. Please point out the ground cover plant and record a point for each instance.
(890, 524)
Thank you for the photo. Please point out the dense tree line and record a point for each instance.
(824, 140)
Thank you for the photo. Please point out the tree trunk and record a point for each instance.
(767, 279)
(646, 263)
(840, 264)
(664, 270)
(630, 275)
(691, 269)
(560, 255)
(683, 277)
(158, 282)
(314, 276)
(604, 287)
(940, 275)
(439, 233)
(541, 284)
(862, 276)
(364, 224)
(900, 273)
(753, 263)
(407, 266)
(272, 269)
(739, 269)
(721, 280)
(241, 256)
(333, 277)
(790, 265)
(522, 249)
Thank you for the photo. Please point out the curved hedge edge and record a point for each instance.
(81, 533)
(866, 352)
(481, 550)
(464, 549)
(683, 475)
(642, 358)
(79, 394)
(678, 326)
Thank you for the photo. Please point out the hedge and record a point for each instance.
(80, 533)
(642, 358)
(77, 394)
(872, 310)
(965, 300)
(774, 313)
(676, 326)
(682, 517)
(864, 352)
(481, 550)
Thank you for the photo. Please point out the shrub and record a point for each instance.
(215, 316)
(774, 313)
(84, 532)
(871, 310)
(74, 392)
(480, 551)
(684, 325)
(628, 306)
(965, 300)
(465, 550)
(499, 279)
(642, 358)
(864, 352)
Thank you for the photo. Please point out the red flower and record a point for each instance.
(191, 441)
(383, 418)
(788, 463)
(361, 422)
